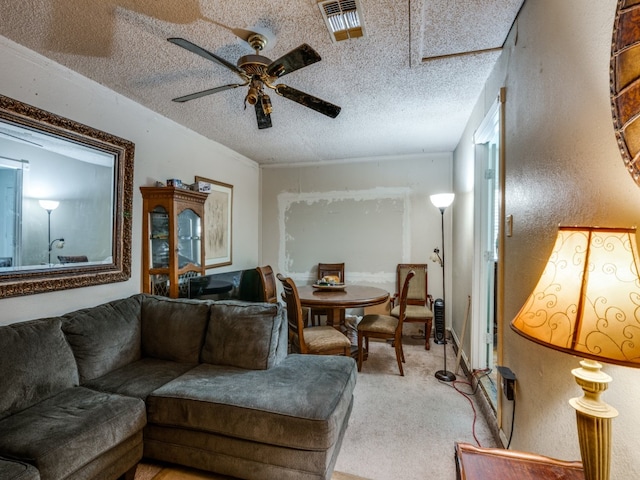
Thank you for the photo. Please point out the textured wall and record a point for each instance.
(562, 167)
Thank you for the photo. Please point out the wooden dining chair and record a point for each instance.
(419, 302)
(385, 327)
(322, 340)
(335, 270)
(268, 283)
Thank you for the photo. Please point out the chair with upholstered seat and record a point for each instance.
(331, 271)
(385, 327)
(322, 340)
(419, 302)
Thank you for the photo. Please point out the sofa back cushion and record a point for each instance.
(36, 363)
(173, 329)
(105, 337)
(245, 335)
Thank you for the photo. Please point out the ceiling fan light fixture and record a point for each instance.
(252, 96)
(343, 19)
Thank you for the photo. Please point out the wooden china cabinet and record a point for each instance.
(173, 233)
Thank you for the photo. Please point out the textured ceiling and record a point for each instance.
(407, 87)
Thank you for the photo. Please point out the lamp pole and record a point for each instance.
(442, 201)
(49, 206)
(49, 233)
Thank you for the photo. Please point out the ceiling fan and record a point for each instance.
(258, 72)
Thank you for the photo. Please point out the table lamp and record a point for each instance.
(587, 303)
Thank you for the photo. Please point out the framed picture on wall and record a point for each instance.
(217, 223)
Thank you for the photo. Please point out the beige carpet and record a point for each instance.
(401, 427)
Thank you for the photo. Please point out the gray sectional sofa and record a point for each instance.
(203, 384)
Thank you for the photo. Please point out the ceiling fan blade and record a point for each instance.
(192, 47)
(264, 120)
(210, 91)
(294, 60)
(326, 108)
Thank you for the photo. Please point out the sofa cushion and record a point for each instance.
(64, 433)
(36, 363)
(173, 329)
(14, 470)
(104, 337)
(244, 335)
(300, 403)
(139, 379)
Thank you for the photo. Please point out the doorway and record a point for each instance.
(488, 226)
(11, 174)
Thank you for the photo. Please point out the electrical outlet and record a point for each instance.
(508, 382)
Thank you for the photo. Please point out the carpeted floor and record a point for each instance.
(406, 427)
(401, 427)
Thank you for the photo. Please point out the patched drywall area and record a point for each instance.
(333, 226)
(370, 214)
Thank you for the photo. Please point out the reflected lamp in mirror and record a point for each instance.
(442, 200)
(586, 304)
(50, 206)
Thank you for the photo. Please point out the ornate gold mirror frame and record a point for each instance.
(114, 262)
(625, 83)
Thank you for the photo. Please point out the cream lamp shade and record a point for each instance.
(587, 303)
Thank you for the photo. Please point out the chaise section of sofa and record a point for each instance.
(286, 422)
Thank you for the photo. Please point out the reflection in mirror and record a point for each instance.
(65, 202)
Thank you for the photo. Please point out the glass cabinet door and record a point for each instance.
(159, 220)
(189, 238)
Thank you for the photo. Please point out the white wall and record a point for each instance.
(163, 150)
(371, 214)
(562, 167)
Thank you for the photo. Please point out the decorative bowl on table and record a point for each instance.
(329, 283)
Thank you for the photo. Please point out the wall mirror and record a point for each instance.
(625, 83)
(66, 193)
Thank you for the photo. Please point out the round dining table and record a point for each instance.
(335, 301)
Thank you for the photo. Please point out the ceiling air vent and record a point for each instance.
(343, 19)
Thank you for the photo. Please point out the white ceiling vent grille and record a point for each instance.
(343, 19)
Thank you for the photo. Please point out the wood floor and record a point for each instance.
(151, 471)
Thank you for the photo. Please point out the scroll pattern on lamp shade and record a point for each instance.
(624, 75)
(587, 301)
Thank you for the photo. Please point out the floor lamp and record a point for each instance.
(49, 206)
(442, 201)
